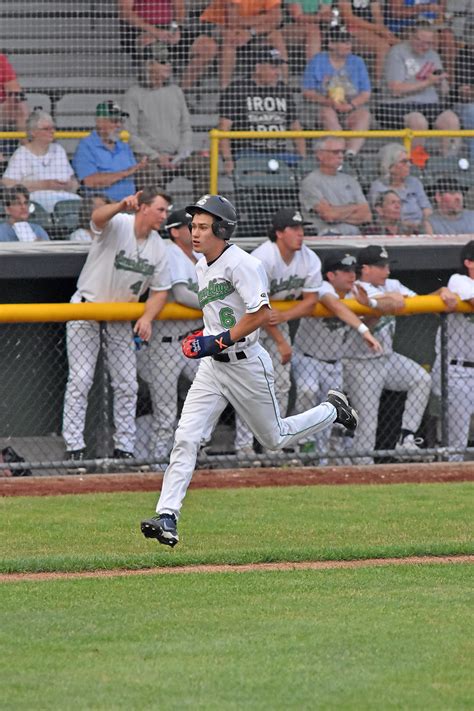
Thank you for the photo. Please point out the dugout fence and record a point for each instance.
(34, 362)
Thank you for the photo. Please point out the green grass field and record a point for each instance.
(365, 638)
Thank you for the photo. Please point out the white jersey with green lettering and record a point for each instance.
(289, 281)
(118, 268)
(232, 285)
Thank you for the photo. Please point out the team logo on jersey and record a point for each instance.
(215, 291)
(291, 284)
(128, 264)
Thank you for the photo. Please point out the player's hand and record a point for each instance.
(449, 299)
(374, 345)
(285, 350)
(361, 295)
(198, 346)
(130, 203)
(275, 317)
(143, 328)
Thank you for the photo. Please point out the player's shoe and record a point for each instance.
(346, 415)
(410, 445)
(75, 455)
(122, 454)
(163, 527)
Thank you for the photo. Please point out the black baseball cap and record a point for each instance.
(467, 252)
(110, 109)
(339, 260)
(287, 217)
(448, 184)
(177, 218)
(266, 54)
(373, 255)
(338, 33)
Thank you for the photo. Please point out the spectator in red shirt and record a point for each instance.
(13, 107)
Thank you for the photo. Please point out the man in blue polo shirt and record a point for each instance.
(103, 162)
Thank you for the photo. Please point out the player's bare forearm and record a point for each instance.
(101, 215)
(153, 306)
(301, 308)
(249, 323)
(340, 310)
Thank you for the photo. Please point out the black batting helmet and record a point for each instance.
(220, 208)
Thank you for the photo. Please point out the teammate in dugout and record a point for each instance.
(235, 368)
(127, 257)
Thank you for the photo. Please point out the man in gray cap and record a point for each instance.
(160, 125)
(450, 217)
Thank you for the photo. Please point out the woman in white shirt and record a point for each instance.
(41, 165)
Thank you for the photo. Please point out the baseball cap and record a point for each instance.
(287, 217)
(339, 33)
(110, 109)
(158, 52)
(373, 254)
(266, 54)
(339, 260)
(177, 218)
(448, 184)
(467, 252)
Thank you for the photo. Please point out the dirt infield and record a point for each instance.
(247, 568)
(239, 478)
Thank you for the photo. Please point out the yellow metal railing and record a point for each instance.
(44, 313)
(406, 134)
(57, 134)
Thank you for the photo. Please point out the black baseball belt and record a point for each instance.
(464, 363)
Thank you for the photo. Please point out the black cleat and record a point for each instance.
(122, 454)
(163, 527)
(346, 415)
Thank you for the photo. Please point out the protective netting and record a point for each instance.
(419, 387)
(181, 68)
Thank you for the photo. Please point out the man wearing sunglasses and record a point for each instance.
(332, 201)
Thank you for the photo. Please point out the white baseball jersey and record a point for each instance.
(461, 326)
(384, 329)
(182, 271)
(118, 268)
(233, 284)
(323, 338)
(289, 281)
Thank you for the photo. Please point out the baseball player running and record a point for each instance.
(319, 343)
(234, 367)
(294, 274)
(126, 258)
(366, 374)
(460, 370)
(162, 363)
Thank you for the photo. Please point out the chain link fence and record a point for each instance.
(419, 387)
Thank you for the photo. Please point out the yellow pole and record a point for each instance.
(214, 161)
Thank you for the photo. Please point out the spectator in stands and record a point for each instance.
(13, 106)
(307, 18)
(394, 167)
(147, 21)
(160, 126)
(42, 165)
(464, 85)
(17, 227)
(243, 23)
(450, 217)
(416, 88)
(332, 201)
(104, 162)
(403, 15)
(84, 233)
(262, 103)
(364, 20)
(337, 81)
(387, 210)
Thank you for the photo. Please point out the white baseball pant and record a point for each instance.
(364, 381)
(249, 387)
(282, 375)
(83, 344)
(460, 407)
